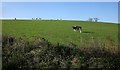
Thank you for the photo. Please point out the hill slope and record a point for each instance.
(61, 31)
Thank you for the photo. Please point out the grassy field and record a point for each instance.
(61, 31)
(28, 44)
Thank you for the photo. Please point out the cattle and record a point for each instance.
(75, 28)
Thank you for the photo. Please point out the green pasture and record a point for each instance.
(60, 31)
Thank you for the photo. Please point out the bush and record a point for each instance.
(40, 54)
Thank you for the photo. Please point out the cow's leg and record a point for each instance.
(74, 30)
(80, 31)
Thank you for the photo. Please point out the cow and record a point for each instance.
(77, 28)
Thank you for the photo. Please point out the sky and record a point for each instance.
(60, 0)
(105, 11)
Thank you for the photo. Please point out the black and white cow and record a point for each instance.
(77, 28)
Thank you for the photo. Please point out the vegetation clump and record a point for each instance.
(19, 53)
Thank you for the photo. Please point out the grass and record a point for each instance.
(61, 31)
(40, 44)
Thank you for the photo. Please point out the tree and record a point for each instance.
(96, 19)
(61, 19)
(91, 19)
(15, 18)
(36, 18)
(40, 18)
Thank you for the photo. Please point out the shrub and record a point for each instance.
(40, 54)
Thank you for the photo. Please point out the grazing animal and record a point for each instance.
(77, 28)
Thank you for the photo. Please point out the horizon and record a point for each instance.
(53, 20)
(105, 11)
